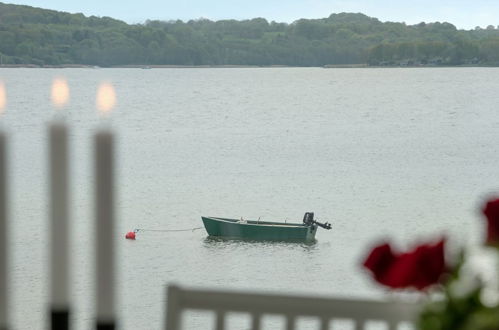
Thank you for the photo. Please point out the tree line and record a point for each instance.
(41, 37)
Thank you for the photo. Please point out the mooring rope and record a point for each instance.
(136, 230)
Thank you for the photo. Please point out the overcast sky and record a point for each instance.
(465, 14)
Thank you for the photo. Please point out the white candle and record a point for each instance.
(3, 219)
(3, 233)
(59, 215)
(58, 135)
(104, 164)
(105, 225)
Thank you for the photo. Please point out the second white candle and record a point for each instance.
(104, 211)
(59, 199)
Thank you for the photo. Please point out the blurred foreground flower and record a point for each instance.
(419, 268)
(460, 299)
(491, 212)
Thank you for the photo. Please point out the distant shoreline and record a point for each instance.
(168, 66)
(53, 39)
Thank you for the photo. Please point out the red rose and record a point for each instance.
(491, 211)
(379, 261)
(419, 268)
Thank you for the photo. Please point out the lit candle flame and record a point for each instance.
(60, 92)
(106, 98)
(3, 97)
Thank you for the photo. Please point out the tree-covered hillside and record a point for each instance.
(44, 37)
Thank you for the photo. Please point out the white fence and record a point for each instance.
(291, 307)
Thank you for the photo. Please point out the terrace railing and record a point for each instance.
(359, 312)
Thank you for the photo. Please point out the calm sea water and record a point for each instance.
(403, 154)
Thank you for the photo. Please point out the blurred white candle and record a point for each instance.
(104, 170)
(58, 137)
(3, 218)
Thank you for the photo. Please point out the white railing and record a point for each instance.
(291, 307)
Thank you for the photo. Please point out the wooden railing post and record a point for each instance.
(360, 324)
(174, 313)
(256, 322)
(220, 321)
(290, 322)
(324, 323)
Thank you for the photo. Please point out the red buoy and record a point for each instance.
(130, 235)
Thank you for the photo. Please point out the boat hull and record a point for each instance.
(258, 230)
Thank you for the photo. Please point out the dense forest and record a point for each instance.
(45, 37)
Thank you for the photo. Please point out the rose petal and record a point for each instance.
(491, 211)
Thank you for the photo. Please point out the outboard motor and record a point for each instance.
(308, 220)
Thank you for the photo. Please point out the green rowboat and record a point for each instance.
(264, 230)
